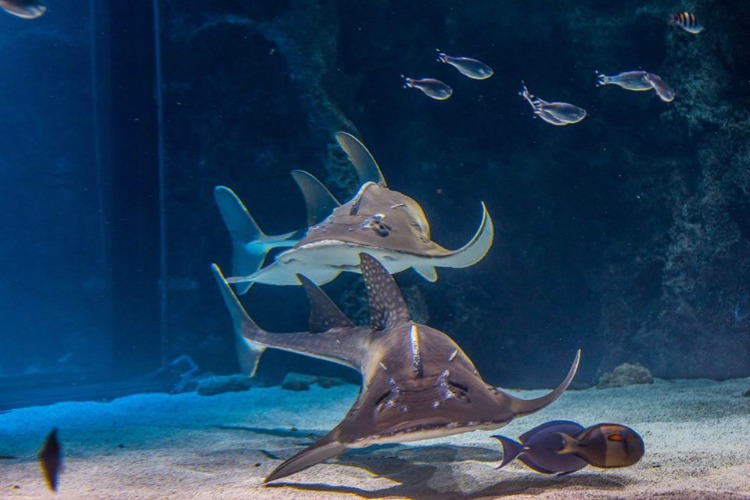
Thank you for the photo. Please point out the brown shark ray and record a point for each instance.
(417, 383)
(387, 224)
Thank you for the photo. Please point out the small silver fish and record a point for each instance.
(629, 80)
(638, 81)
(431, 87)
(556, 113)
(686, 21)
(27, 9)
(663, 90)
(467, 66)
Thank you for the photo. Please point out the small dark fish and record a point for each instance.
(556, 113)
(539, 448)
(27, 9)
(269, 454)
(605, 445)
(431, 87)
(50, 459)
(467, 66)
(742, 309)
(686, 21)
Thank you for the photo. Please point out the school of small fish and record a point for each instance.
(556, 113)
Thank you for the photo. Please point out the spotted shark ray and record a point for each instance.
(384, 223)
(417, 383)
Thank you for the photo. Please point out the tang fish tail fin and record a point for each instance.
(249, 243)
(570, 445)
(511, 449)
(521, 407)
(327, 447)
(318, 199)
(246, 331)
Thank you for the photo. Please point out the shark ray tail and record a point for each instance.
(248, 351)
(249, 243)
(327, 447)
(521, 407)
(511, 449)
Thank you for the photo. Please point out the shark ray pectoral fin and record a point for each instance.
(387, 306)
(318, 199)
(475, 249)
(324, 314)
(367, 168)
(521, 407)
(327, 447)
(427, 272)
(245, 329)
(249, 243)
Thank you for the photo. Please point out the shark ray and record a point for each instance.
(417, 383)
(385, 223)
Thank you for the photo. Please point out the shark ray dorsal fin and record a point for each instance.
(367, 168)
(318, 199)
(324, 314)
(387, 305)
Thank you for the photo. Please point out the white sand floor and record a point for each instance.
(697, 436)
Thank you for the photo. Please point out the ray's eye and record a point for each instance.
(383, 401)
(381, 229)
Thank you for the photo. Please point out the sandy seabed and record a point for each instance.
(697, 435)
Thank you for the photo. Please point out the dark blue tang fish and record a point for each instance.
(539, 448)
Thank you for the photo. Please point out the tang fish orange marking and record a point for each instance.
(556, 113)
(686, 21)
(431, 87)
(467, 66)
(638, 81)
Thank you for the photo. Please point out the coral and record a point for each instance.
(209, 386)
(626, 374)
(298, 381)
